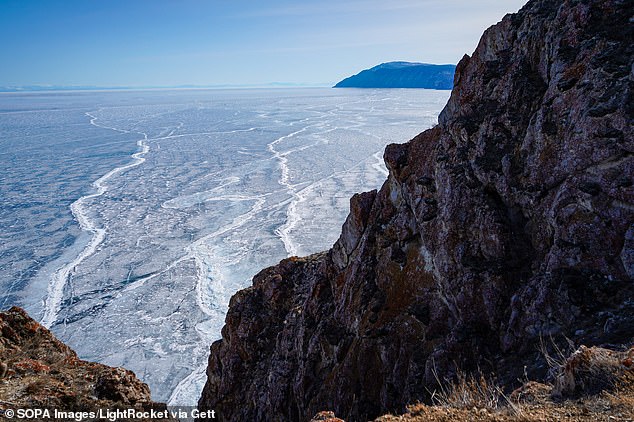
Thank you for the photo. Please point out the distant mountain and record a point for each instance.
(37, 88)
(402, 75)
(32, 88)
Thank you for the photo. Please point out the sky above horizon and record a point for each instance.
(239, 42)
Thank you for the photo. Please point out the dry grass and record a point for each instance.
(592, 370)
(475, 393)
(554, 354)
(591, 384)
(468, 392)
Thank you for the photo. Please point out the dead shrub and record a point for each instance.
(469, 392)
(591, 370)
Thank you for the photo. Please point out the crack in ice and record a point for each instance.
(56, 286)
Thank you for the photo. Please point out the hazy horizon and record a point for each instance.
(211, 43)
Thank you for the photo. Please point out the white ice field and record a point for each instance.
(129, 218)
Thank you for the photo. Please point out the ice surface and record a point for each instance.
(128, 219)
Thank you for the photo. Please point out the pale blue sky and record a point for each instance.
(177, 42)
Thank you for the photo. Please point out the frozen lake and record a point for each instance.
(129, 218)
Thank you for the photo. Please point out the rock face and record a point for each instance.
(509, 222)
(42, 372)
(402, 75)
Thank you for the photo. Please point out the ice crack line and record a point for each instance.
(292, 215)
(209, 286)
(292, 218)
(59, 280)
(379, 165)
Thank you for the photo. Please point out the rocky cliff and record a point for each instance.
(510, 222)
(37, 371)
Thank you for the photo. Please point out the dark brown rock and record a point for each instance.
(44, 373)
(511, 221)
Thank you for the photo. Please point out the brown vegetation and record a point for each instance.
(593, 384)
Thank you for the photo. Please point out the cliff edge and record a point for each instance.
(37, 371)
(509, 223)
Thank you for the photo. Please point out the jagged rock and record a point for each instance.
(510, 221)
(44, 373)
